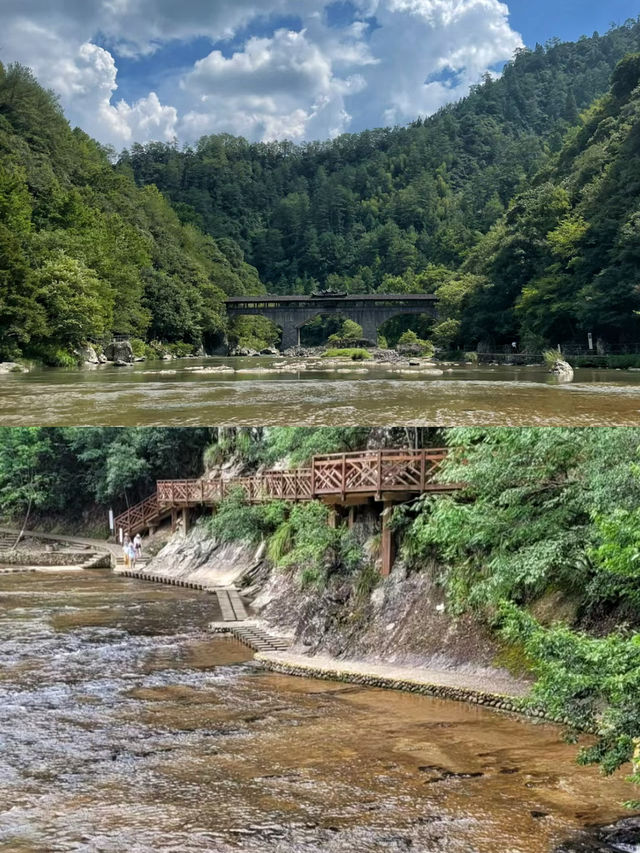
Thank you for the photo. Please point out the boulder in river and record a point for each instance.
(119, 351)
(87, 354)
(12, 367)
(563, 370)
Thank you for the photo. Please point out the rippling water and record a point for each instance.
(125, 727)
(181, 393)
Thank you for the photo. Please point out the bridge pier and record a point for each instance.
(290, 336)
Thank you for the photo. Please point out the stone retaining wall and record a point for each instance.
(460, 694)
(48, 558)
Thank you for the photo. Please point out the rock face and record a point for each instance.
(119, 351)
(562, 370)
(200, 559)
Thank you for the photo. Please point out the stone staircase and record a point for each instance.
(231, 605)
(251, 635)
(7, 541)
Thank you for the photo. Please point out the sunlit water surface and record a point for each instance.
(183, 393)
(125, 727)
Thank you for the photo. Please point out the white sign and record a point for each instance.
(590, 339)
(111, 519)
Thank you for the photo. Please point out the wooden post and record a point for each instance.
(174, 519)
(333, 517)
(352, 516)
(387, 549)
(185, 520)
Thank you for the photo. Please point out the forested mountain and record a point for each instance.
(84, 251)
(517, 206)
(405, 208)
(565, 258)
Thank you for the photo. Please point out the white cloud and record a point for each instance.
(312, 83)
(275, 87)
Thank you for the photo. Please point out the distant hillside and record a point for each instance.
(83, 251)
(565, 259)
(381, 209)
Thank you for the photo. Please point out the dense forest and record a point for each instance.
(495, 202)
(541, 545)
(85, 252)
(516, 205)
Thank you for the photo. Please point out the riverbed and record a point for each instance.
(125, 726)
(275, 391)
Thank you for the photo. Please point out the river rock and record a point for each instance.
(119, 351)
(12, 367)
(269, 351)
(243, 351)
(87, 354)
(563, 370)
(615, 838)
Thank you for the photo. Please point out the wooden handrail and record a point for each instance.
(369, 471)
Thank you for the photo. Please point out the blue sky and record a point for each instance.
(568, 19)
(139, 70)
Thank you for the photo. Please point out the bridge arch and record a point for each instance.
(369, 310)
(400, 322)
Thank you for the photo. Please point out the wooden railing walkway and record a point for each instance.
(334, 476)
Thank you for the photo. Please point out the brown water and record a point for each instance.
(181, 393)
(125, 727)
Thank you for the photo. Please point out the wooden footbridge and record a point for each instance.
(342, 480)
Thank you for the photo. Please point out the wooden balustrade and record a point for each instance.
(339, 474)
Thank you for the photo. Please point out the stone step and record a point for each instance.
(236, 603)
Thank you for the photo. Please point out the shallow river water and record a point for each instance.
(125, 727)
(192, 392)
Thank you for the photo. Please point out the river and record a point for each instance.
(126, 727)
(251, 392)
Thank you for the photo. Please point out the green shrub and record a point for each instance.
(410, 339)
(54, 356)
(139, 348)
(238, 521)
(367, 580)
(180, 349)
(280, 543)
(407, 338)
(154, 350)
(382, 342)
(353, 353)
(552, 357)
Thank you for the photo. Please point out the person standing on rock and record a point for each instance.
(137, 544)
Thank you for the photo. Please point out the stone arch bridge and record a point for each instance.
(369, 310)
